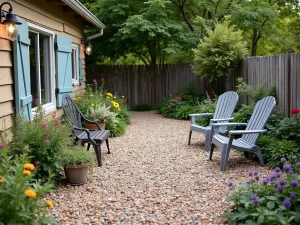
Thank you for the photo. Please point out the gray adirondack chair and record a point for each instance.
(223, 112)
(261, 113)
(92, 137)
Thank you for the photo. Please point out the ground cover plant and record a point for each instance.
(95, 99)
(270, 200)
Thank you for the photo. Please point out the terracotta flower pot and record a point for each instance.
(94, 126)
(77, 174)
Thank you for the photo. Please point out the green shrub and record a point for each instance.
(272, 200)
(20, 193)
(219, 53)
(274, 149)
(142, 107)
(206, 106)
(254, 93)
(243, 114)
(43, 138)
(183, 112)
(118, 130)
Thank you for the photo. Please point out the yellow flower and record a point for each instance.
(119, 109)
(115, 96)
(91, 95)
(107, 97)
(122, 96)
(30, 193)
(49, 203)
(2, 181)
(29, 166)
(26, 172)
(109, 94)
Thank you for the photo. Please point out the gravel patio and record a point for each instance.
(153, 177)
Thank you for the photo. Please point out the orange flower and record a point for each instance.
(26, 172)
(30, 193)
(29, 166)
(2, 181)
(49, 203)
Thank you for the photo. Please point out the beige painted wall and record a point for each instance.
(45, 14)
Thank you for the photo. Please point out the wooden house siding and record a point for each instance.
(50, 16)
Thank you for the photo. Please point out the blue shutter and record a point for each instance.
(80, 65)
(23, 97)
(63, 67)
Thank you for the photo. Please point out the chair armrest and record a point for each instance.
(202, 114)
(193, 116)
(235, 132)
(82, 129)
(228, 124)
(220, 120)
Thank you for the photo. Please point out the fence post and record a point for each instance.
(289, 75)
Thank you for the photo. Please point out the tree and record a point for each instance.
(220, 53)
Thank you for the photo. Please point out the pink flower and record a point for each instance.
(56, 122)
(37, 101)
(46, 141)
(95, 81)
(37, 163)
(44, 125)
(47, 133)
(54, 114)
(1, 146)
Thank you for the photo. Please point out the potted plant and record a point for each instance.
(77, 162)
(103, 115)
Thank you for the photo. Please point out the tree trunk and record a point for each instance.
(254, 42)
(186, 19)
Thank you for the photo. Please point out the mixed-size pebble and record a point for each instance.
(153, 177)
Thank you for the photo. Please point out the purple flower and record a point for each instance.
(282, 182)
(276, 185)
(253, 180)
(229, 184)
(298, 164)
(294, 157)
(292, 196)
(255, 172)
(95, 81)
(265, 181)
(43, 125)
(277, 169)
(278, 175)
(287, 203)
(273, 176)
(257, 178)
(287, 168)
(254, 199)
(280, 189)
(46, 141)
(37, 163)
(250, 173)
(46, 133)
(294, 183)
(248, 182)
(283, 160)
(208, 97)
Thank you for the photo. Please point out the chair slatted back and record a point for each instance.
(261, 113)
(72, 111)
(225, 107)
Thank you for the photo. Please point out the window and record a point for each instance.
(41, 53)
(75, 65)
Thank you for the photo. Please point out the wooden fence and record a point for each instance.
(148, 84)
(283, 71)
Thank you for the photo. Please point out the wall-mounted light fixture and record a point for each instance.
(88, 48)
(10, 22)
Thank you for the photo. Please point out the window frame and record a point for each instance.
(75, 81)
(51, 106)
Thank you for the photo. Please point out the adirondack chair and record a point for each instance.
(92, 137)
(223, 112)
(262, 111)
